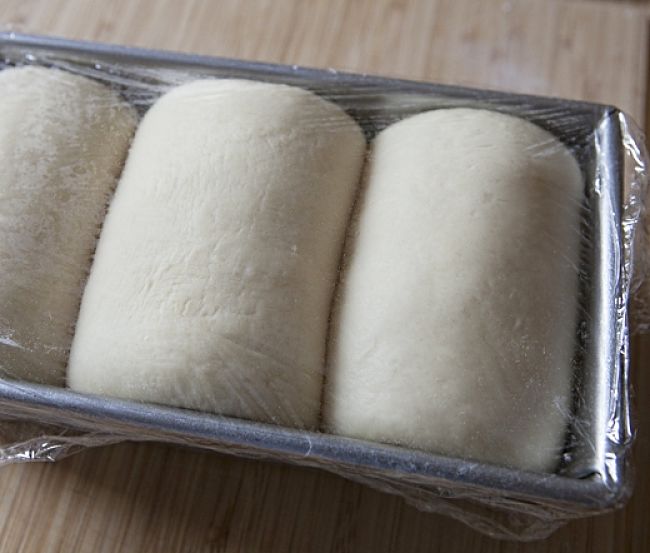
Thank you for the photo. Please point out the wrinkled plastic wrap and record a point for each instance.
(265, 348)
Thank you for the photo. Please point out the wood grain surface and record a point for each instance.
(157, 498)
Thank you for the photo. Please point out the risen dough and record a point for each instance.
(63, 139)
(215, 268)
(456, 322)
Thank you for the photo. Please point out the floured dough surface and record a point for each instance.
(63, 139)
(455, 326)
(214, 273)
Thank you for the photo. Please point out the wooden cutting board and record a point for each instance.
(155, 498)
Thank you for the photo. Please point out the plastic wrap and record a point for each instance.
(253, 200)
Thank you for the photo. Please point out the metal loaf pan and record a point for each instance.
(592, 475)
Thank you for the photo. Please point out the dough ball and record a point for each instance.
(213, 279)
(63, 139)
(455, 327)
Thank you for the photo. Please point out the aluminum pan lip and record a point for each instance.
(320, 448)
(593, 493)
(117, 53)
